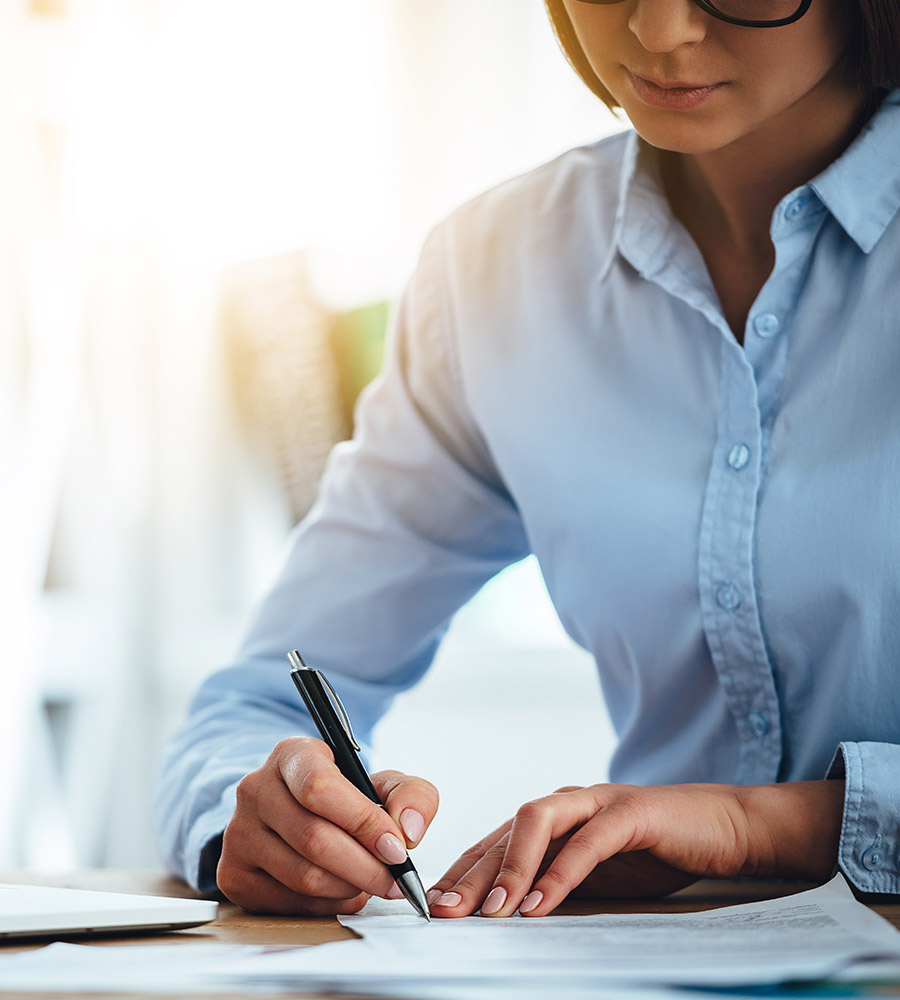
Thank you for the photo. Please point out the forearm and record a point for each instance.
(795, 829)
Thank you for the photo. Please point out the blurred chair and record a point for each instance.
(295, 368)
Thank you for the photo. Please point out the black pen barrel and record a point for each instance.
(346, 757)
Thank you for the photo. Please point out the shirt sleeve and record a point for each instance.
(411, 519)
(869, 852)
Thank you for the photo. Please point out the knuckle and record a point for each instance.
(238, 834)
(468, 884)
(388, 781)
(311, 881)
(535, 810)
(313, 841)
(247, 791)
(294, 754)
(404, 790)
(515, 869)
(581, 842)
(314, 789)
(634, 807)
(367, 825)
(556, 877)
(287, 752)
(285, 748)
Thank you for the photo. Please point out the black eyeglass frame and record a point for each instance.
(708, 8)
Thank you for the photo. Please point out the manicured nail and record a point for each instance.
(394, 892)
(412, 824)
(530, 902)
(432, 896)
(390, 848)
(449, 899)
(495, 900)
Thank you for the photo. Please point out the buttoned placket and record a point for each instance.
(751, 379)
(726, 581)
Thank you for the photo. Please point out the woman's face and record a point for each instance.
(692, 83)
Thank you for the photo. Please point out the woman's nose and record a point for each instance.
(664, 25)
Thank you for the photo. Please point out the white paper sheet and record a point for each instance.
(807, 936)
(195, 969)
(150, 968)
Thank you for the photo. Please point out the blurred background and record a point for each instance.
(208, 208)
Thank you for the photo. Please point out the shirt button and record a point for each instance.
(873, 858)
(759, 724)
(728, 596)
(766, 324)
(794, 208)
(738, 457)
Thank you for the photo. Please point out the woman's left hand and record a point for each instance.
(626, 840)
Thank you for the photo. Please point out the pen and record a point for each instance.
(332, 722)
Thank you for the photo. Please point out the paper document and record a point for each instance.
(121, 969)
(819, 934)
(809, 936)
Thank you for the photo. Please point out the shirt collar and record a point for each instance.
(643, 216)
(626, 173)
(861, 188)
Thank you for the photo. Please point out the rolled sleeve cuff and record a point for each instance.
(869, 853)
(208, 827)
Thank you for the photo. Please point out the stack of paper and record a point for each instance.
(810, 936)
(823, 934)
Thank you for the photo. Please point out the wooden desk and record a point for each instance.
(233, 926)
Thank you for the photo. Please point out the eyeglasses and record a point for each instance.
(748, 13)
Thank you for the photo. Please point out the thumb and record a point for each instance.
(411, 802)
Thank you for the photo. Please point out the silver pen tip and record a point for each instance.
(411, 887)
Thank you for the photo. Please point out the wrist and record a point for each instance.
(794, 829)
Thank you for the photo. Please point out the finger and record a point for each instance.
(608, 833)
(469, 891)
(463, 864)
(319, 842)
(535, 826)
(308, 769)
(258, 892)
(411, 802)
(273, 855)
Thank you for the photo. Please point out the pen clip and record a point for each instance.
(341, 711)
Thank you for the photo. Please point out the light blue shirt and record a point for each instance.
(718, 525)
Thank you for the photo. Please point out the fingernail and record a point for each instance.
(432, 895)
(495, 900)
(390, 848)
(449, 899)
(394, 892)
(530, 902)
(412, 824)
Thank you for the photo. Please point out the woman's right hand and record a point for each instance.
(303, 840)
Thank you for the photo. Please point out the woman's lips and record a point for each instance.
(673, 96)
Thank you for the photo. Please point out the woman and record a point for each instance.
(665, 364)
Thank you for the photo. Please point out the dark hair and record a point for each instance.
(872, 58)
